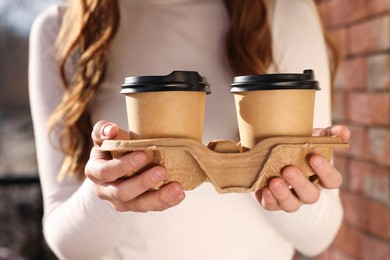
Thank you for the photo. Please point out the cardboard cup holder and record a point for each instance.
(223, 163)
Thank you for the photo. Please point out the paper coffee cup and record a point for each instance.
(270, 105)
(166, 106)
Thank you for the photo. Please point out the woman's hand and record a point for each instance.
(279, 196)
(132, 194)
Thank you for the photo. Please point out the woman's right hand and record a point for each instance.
(131, 194)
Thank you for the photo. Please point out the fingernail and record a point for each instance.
(266, 194)
(317, 162)
(138, 159)
(107, 130)
(158, 175)
(173, 192)
(277, 187)
(290, 174)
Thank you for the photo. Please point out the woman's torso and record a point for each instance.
(155, 38)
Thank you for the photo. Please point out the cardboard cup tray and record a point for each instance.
(223, 164)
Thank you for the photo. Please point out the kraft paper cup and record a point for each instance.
(166, 106)
(274, 105)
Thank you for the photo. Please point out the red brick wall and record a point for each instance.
(362, 101)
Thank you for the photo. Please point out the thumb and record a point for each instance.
(104, 130)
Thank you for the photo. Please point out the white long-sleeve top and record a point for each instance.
(156, 37)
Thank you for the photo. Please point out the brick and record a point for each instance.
(378, 71)
(332, 253)
(377, 7)
(379, 145)
(339, 12)
(339, 112)
(355, 209)
(347, 240)
(369, 108)
(357, 142)
(378, 221)
(360, 245)
(369, 36)
(357, 174)
(376, 185)
(352, 74)
(341, 164)
(370, 180)
(336, 253)
(372, 248)
(325, 11)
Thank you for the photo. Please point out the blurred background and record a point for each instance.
(361, 28)
(362, 101)
(20, 195)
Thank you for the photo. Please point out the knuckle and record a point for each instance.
(150, 178)
(137, 159)
(100, 193)
(131, 162)
(97, 130)
(126, 167)
(291, 206)
(88, 170)
(120, 207)
(311, 199)
(139, 207)
(283, 196)
(100, 173)
(144, 182)
(331, 179)
(120, 194)
(165, 203)
(338, 182)
(300, 184)
(270, 207)
(292, 209)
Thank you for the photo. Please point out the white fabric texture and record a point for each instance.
(155, 38)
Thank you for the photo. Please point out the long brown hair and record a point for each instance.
(248, 27)
(87, 28)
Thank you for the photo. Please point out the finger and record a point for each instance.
(267, 200)
(329, 176)
(101, 169)
(306, 191)
(126, 190)
(104, 130)
(339, 130)
(286, 199)
(166, 197)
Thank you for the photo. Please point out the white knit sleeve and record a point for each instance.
(77, 224)
(299, 44)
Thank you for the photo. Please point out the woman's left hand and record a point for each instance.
(279, 196)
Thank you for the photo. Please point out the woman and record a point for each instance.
(98, 217)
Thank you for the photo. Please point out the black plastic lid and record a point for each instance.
(176, 81)
(275, 82)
